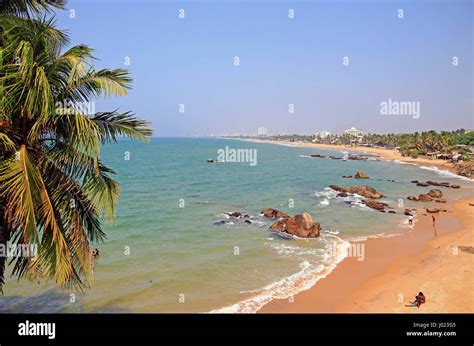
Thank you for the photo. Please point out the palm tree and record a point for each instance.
(29, 8)
(54, 189)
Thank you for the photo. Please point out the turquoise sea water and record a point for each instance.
(180, 261)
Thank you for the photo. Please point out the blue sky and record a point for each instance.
(283, 61)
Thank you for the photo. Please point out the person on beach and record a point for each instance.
(434, 220)
(419, 299)
(410, 220)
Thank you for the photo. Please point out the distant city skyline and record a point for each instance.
(205, 67)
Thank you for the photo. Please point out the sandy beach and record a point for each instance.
(435, 259)
(384, 154)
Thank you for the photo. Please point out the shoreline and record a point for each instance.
(382, 153)
(388, 278)
(397, 268)
(373, 289)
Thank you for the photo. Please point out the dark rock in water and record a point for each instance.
(335, 158)
(455, 186)
(220, 223)
(420, 198)
(347, 176)
(363, 190)
(408, 212)
(435, 193)
(342, 194)
(432, 210)
(248, 222)
(422, 184)
(246, 216)
(375, 205)
(414, 181)
(210, 160)
(358, 158)
(361, 175)
(318, 156)
(392, 211)
(234, 214)
(273, 213)
(435, 183)
(424, 198)
(441, 200)
(301, 225)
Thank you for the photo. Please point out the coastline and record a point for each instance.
(384, 154)
(395, 269)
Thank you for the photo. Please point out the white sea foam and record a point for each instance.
(444, 173)
(324, 202)
(308, 275)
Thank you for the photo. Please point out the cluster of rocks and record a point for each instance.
(300, 225)
(349, 157)
(362, 190)
(358, 175)
(434, 194)
(435, 183)
(236, 215)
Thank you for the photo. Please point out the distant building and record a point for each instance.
(354, 132)
(322, 134)
(262, 132)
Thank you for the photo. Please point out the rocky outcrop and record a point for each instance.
(362, 190)
(236, 214)
(273, 213)
(455, 186)
(375, 205)
(408, 212)
(361, 175)
(301, 225)
(432, 210)
(435, 183)
(435, 193)
(441, 200)
(420, 198)
(422, 184)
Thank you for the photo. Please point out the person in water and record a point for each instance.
(419, 299)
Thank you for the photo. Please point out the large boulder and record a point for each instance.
(362, 190)
(361, 175)
(424, 198)
(273, 213)
(375, 205)
(435, 193)
(301, 225)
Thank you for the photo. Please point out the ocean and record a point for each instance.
(165, 253)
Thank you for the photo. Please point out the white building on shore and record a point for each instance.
(262, 131)
(322, 134)
(354, 132)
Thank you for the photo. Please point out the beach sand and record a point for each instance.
(437, 260)
(384, 154)
(395, 269)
